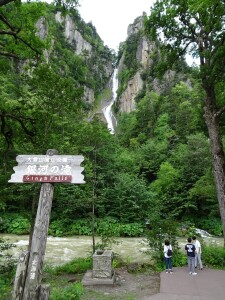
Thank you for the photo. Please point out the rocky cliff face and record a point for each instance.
(99, 66)
(126, 102)
(135, 85)
(73, 36)
(85, 49)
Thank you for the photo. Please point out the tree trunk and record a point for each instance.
(217, 154)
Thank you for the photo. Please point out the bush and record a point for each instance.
(7, 269)
(15, 223)
(107, 227)
(212, 225)
(131, 230)
(81, 227)
(76, 266)
(162, 230)
(71, 292)
(214, 256)
(57, 228)
(7, 262)
(5, 284)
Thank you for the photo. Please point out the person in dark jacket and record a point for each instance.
(190, 248)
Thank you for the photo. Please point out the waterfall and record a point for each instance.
(107, 110)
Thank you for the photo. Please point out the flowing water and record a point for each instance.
(60, 250)
(107, 111)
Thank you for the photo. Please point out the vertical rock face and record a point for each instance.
(73, 36)
(137, 25)
(127, 100)
(145, 51)
(84, 49)
(42, 28)
(89, 95)
(135, 85)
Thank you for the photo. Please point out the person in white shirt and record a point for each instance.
(168, 256)
(198, 253)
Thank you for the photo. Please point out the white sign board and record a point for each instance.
(48, 168)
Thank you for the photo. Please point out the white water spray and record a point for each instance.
(107, 111)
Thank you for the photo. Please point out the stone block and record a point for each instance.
(102, 264)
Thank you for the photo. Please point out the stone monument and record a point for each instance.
(102, 272)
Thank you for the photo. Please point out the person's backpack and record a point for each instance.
(169, 252)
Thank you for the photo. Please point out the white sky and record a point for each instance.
(112, 17)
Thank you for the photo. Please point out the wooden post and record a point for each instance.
(32, 286)
(21, 272)
(44, 292)
(39, 168)
(38, 246)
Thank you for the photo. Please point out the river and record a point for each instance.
(60, 250)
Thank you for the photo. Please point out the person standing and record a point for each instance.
(190, 248)
(198, 252)
(168, 256)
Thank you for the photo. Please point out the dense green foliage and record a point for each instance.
(7, 267)
(156, 169)
(212, 254)
(156, 166)
(196, 27)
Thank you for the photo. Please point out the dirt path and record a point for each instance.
(128, 286)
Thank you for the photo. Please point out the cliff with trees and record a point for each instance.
(156, 166)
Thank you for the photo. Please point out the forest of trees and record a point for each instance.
(158, 164)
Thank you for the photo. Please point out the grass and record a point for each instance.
(65, 280)
(93, 295)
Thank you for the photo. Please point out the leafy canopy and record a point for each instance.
(192, 26)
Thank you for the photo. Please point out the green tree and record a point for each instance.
(151, 155)
(184, 106)
(128, 199)
(18, 30)
(167, 192)
(197, 27)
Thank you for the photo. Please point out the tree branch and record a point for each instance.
(16, 36)
(220, 112)
(4, 20)
(4, 2)
(7, 54)
(20, 120)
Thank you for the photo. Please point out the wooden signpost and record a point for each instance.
(47, 169)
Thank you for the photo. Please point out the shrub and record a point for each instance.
(212, 225)
(71, 292)
(7, 262)
(7, 269)
(108, 227)
(5, 284)
(57, 228)
(131, 230)
(162, 230)
(81, 227)
(76, 266)
(104, 227)
(15, 223)
(214, 256)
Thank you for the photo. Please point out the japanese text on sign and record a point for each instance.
(46, 169)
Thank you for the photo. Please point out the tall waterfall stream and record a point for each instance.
(107, 110)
